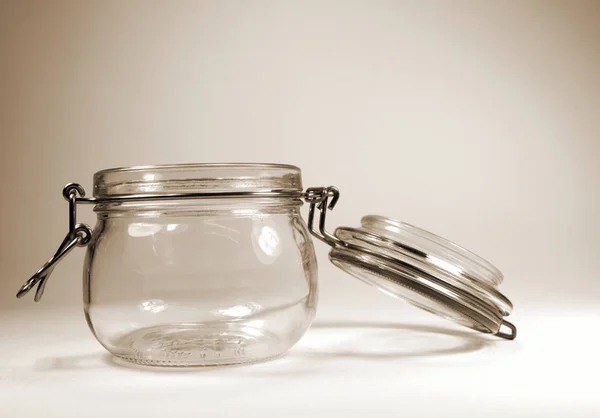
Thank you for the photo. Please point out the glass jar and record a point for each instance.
(210, 264)
(199, 281)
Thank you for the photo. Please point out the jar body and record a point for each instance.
(193, 283)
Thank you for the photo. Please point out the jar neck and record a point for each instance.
(201, 207)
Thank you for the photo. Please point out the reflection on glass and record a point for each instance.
(268, 240)
(143, 229)
(153, 306)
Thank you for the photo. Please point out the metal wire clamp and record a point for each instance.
(318, 197)
(79, 235)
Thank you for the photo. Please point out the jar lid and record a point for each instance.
(417, 266)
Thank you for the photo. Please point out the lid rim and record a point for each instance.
(403, 270)
(483, 323)
(419, 264)
(437, 240)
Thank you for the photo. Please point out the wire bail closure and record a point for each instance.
(79, 235)
(318, 197)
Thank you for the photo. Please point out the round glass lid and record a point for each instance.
(426, 270)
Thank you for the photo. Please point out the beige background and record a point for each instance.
(478, 120)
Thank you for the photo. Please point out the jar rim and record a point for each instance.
(196, 178)
(137, 168)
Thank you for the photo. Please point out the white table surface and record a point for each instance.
(380, 360)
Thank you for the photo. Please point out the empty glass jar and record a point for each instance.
(208, 264)
(198, 281)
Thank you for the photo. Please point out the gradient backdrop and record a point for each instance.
(478, 120)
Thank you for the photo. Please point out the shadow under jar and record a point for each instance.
(199, 281)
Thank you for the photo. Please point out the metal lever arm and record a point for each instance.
(318, 197)
(79, 235)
